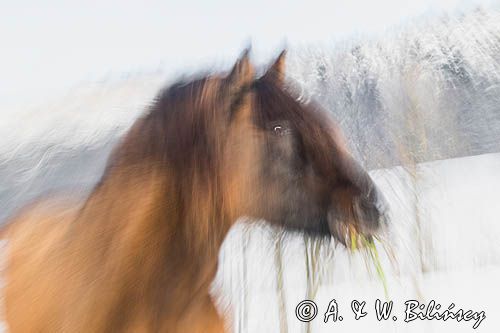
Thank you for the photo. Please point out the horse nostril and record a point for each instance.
(374, 200)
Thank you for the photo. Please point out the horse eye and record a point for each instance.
(280, 130)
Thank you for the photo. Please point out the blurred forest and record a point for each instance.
(426, 92)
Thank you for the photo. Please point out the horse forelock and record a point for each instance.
(321, 139)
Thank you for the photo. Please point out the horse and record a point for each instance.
(140, 252)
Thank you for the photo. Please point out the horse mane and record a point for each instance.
(180, 139)
(175, 130)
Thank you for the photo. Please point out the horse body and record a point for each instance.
(140, 253)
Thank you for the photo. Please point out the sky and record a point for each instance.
(48, 47)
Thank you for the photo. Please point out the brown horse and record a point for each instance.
(140, 253)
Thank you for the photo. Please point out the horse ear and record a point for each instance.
(242, 73)
(277, 70)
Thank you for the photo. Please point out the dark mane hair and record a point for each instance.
(178, 130)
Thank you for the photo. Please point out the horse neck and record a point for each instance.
(142, 217)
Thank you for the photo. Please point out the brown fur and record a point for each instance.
(140, 253)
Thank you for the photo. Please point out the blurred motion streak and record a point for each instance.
(148, 213)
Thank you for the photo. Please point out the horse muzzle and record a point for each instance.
(366, 214)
